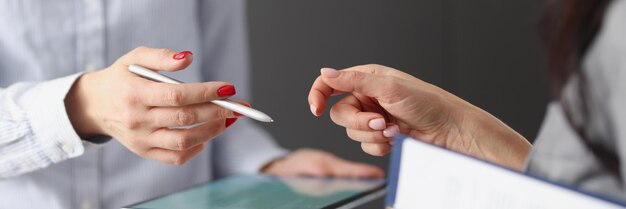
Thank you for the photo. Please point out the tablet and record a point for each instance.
(260, 191)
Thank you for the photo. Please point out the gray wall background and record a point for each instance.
(485, 51)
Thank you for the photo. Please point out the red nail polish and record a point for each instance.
(182, 55)
(238, 114)
(230, 121)
(226, 91)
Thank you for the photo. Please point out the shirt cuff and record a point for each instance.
(45, 107)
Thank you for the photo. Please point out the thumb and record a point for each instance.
(157, 59)
(372, 81)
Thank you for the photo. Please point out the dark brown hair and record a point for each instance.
(569, 28)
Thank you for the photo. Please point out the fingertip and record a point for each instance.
(182, 55)
(318, 96)
(314, 110)
(229, 122)
(179, 61)
(329, 72)
(391, 131)
(227, 90)
(316, 103)
(377, 124)
(157, 58)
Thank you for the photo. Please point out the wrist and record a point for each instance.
(78, 109)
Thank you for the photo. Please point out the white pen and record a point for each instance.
(225, 103)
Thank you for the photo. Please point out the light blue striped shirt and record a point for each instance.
(46, 45)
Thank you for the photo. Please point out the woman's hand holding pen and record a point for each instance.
(381, 101)
(140, 113)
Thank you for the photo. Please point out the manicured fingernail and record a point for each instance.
(182, 55)
(226, 91)
(230, 121)
(391, 131)
(377, 124)
(329, 72)
(238, 114)
(314, 110)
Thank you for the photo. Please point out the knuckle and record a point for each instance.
(353, 76)
(174, 97)
(185, 117)
(183, 142)
(130, 121)
(164, 53)
(131, 55)
(356, 78)
(357, 124)
(179, 159)
(129, 97)
(223, 113)
(139, 49)
(207, 93)
(372, 68)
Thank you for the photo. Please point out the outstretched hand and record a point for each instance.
(380, 102)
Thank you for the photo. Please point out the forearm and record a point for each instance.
(491, 139)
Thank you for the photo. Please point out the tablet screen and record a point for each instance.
(258, 191)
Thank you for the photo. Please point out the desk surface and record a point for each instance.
(259, 191)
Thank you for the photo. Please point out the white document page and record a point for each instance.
(431, 177)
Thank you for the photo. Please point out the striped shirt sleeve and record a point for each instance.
(35, 130)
